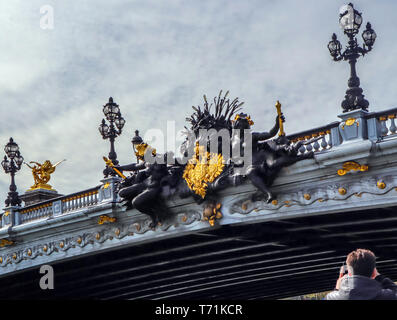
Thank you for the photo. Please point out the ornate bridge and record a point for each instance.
(322, 193)
(342, 199)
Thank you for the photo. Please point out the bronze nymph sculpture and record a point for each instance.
(150, 184)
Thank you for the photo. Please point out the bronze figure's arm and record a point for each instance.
(131, 167)
(259, 136)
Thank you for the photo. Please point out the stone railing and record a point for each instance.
(62, 204)
(325, 143)
(386, 122)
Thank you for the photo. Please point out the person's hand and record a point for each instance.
(341, 275)
(337, 286)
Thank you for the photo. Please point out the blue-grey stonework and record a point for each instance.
(69, 227)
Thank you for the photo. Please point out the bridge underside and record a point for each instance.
(267, 260)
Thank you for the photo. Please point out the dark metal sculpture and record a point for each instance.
(151, 183)
(12, 165)
(112, 113)
(145, 188)
(350, 21)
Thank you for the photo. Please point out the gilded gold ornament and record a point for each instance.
(104, 218)
(351, 165)
(349, 122)
(381, 184)
(141, 149)
(202, 169)
(42, 174)
(5, 242)
(212, 212)
(248, 118)
(342, 191)
(110, 164)
(281, 124)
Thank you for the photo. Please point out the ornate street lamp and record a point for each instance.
(136, 140)
(11, 165)
(350, 21)
(112, 113)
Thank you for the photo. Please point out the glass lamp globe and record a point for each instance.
(136, 140)
(19, 159)
(350, 19)
(11, 149)
(334, 46)
(369, 35)
(119, 121)
(111, 110)
(103, 128)
(5, 164)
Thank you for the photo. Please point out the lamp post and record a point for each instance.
(112, 113)
(11, 164)
(136, 140)
(350, 21)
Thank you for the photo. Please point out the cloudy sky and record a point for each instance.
(157, 58)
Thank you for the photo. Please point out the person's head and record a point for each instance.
(361, 262)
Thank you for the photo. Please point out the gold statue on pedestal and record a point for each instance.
(42, 174)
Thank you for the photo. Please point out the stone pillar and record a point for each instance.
(38, 195)
(353, 125)
(108, 190)
(10, 216)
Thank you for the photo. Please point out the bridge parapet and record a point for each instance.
(13, 216)
(357, 170)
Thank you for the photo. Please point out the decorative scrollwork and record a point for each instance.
(351, 165)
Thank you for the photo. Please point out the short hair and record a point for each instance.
(361, 262)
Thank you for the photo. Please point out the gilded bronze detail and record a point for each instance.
(281, 124)
(42, 174)
(351, 165)
(141, 149)
(5, 242)
(248, 118)
(381, 185)
(202, 169)
(349, 122)
(211, 213)
(105, 218)
(110, 164)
